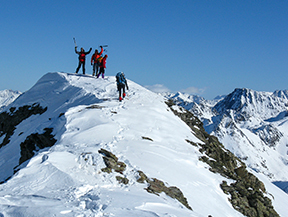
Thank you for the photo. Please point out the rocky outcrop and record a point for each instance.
(247, 191)
(36, 142)
(9, 120)
(269, 134)
(155, 186)
(111, 162)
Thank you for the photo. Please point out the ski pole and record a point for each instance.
(75, 42)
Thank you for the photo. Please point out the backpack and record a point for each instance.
(120, 78)
(99, 60)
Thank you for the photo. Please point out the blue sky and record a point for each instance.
(204, 47)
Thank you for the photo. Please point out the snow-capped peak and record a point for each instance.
(250, 102)
(8, 96)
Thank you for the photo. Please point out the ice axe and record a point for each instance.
(104, 46)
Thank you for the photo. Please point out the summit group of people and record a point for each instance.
(98, 62)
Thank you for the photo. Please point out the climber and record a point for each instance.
(121, 83)
(95, 61)
(102, 66)
(82, 54)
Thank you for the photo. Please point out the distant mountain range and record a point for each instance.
(251, 124)
(7, 96)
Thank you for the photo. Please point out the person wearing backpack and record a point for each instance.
(121, 83)
(82, 57)
(102, 66)
(95, 61)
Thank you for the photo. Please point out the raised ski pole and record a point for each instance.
(75, 42)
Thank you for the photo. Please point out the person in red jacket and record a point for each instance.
(95, 61)
(82, 57)
(102, 66)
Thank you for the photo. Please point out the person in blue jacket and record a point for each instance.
(121, 83)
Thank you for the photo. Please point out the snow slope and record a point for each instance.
(67, 180)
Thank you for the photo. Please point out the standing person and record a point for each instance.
(82, 57)
(95, 62)
(102, 66)
(121, 83)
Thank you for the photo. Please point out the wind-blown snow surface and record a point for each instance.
(66, 180)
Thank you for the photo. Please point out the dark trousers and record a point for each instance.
(102, 71)
(83, 67)
(120, 88)
(95, 68)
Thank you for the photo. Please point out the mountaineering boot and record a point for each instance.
(124, 94)
(120, 99)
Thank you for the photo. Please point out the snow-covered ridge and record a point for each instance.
(86, 116)
(142, 132)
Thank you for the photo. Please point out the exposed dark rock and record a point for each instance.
(142, 177)
(61, 114)
(122, 180)
(35, 142)
(111, 162)
(95, 107)
(157, 186)
(192, 143)
(147, 138)
(9, 120)
(108, 154)
(269, 134)
(247, 191)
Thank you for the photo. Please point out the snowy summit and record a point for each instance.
(75, 150)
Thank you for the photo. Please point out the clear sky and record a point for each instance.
(203, 47)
